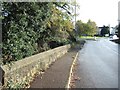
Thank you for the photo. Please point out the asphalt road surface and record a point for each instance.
(98, 64)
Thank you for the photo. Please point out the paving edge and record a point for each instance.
(71, 71)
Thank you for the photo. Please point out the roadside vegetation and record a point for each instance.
(105, 30)
(86, 29)
(29, 28)
(89, 37)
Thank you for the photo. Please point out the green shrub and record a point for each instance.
(28, 27)
(22, 27)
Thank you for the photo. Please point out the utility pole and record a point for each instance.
(75, 22)
(0, 33)
(75, 11)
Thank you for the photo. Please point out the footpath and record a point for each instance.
(58, 74)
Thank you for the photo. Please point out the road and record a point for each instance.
(98, 64)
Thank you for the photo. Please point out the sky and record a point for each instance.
(103, 12)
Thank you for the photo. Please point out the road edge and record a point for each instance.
(71, 71)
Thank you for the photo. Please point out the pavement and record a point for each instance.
(97, 65)
(56, 76)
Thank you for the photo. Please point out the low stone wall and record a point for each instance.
(21, 72)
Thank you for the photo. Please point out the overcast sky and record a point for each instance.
(103, 12)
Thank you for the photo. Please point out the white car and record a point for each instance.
(115, 37)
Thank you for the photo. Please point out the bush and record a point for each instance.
(22, 27)
(33, 27)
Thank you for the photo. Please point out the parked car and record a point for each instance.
(111, 36)
(114, 37)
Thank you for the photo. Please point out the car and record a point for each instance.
(111, 36)
(114, 37)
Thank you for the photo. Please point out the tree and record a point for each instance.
(59, 26)
(92, 28)
(105, 30)
(88, 28)
(21, 28)
(28, 27)
(79, 27)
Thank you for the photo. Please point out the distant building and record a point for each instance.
(112, 30)
(99, 30)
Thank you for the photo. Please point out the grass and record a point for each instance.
(89, 38)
